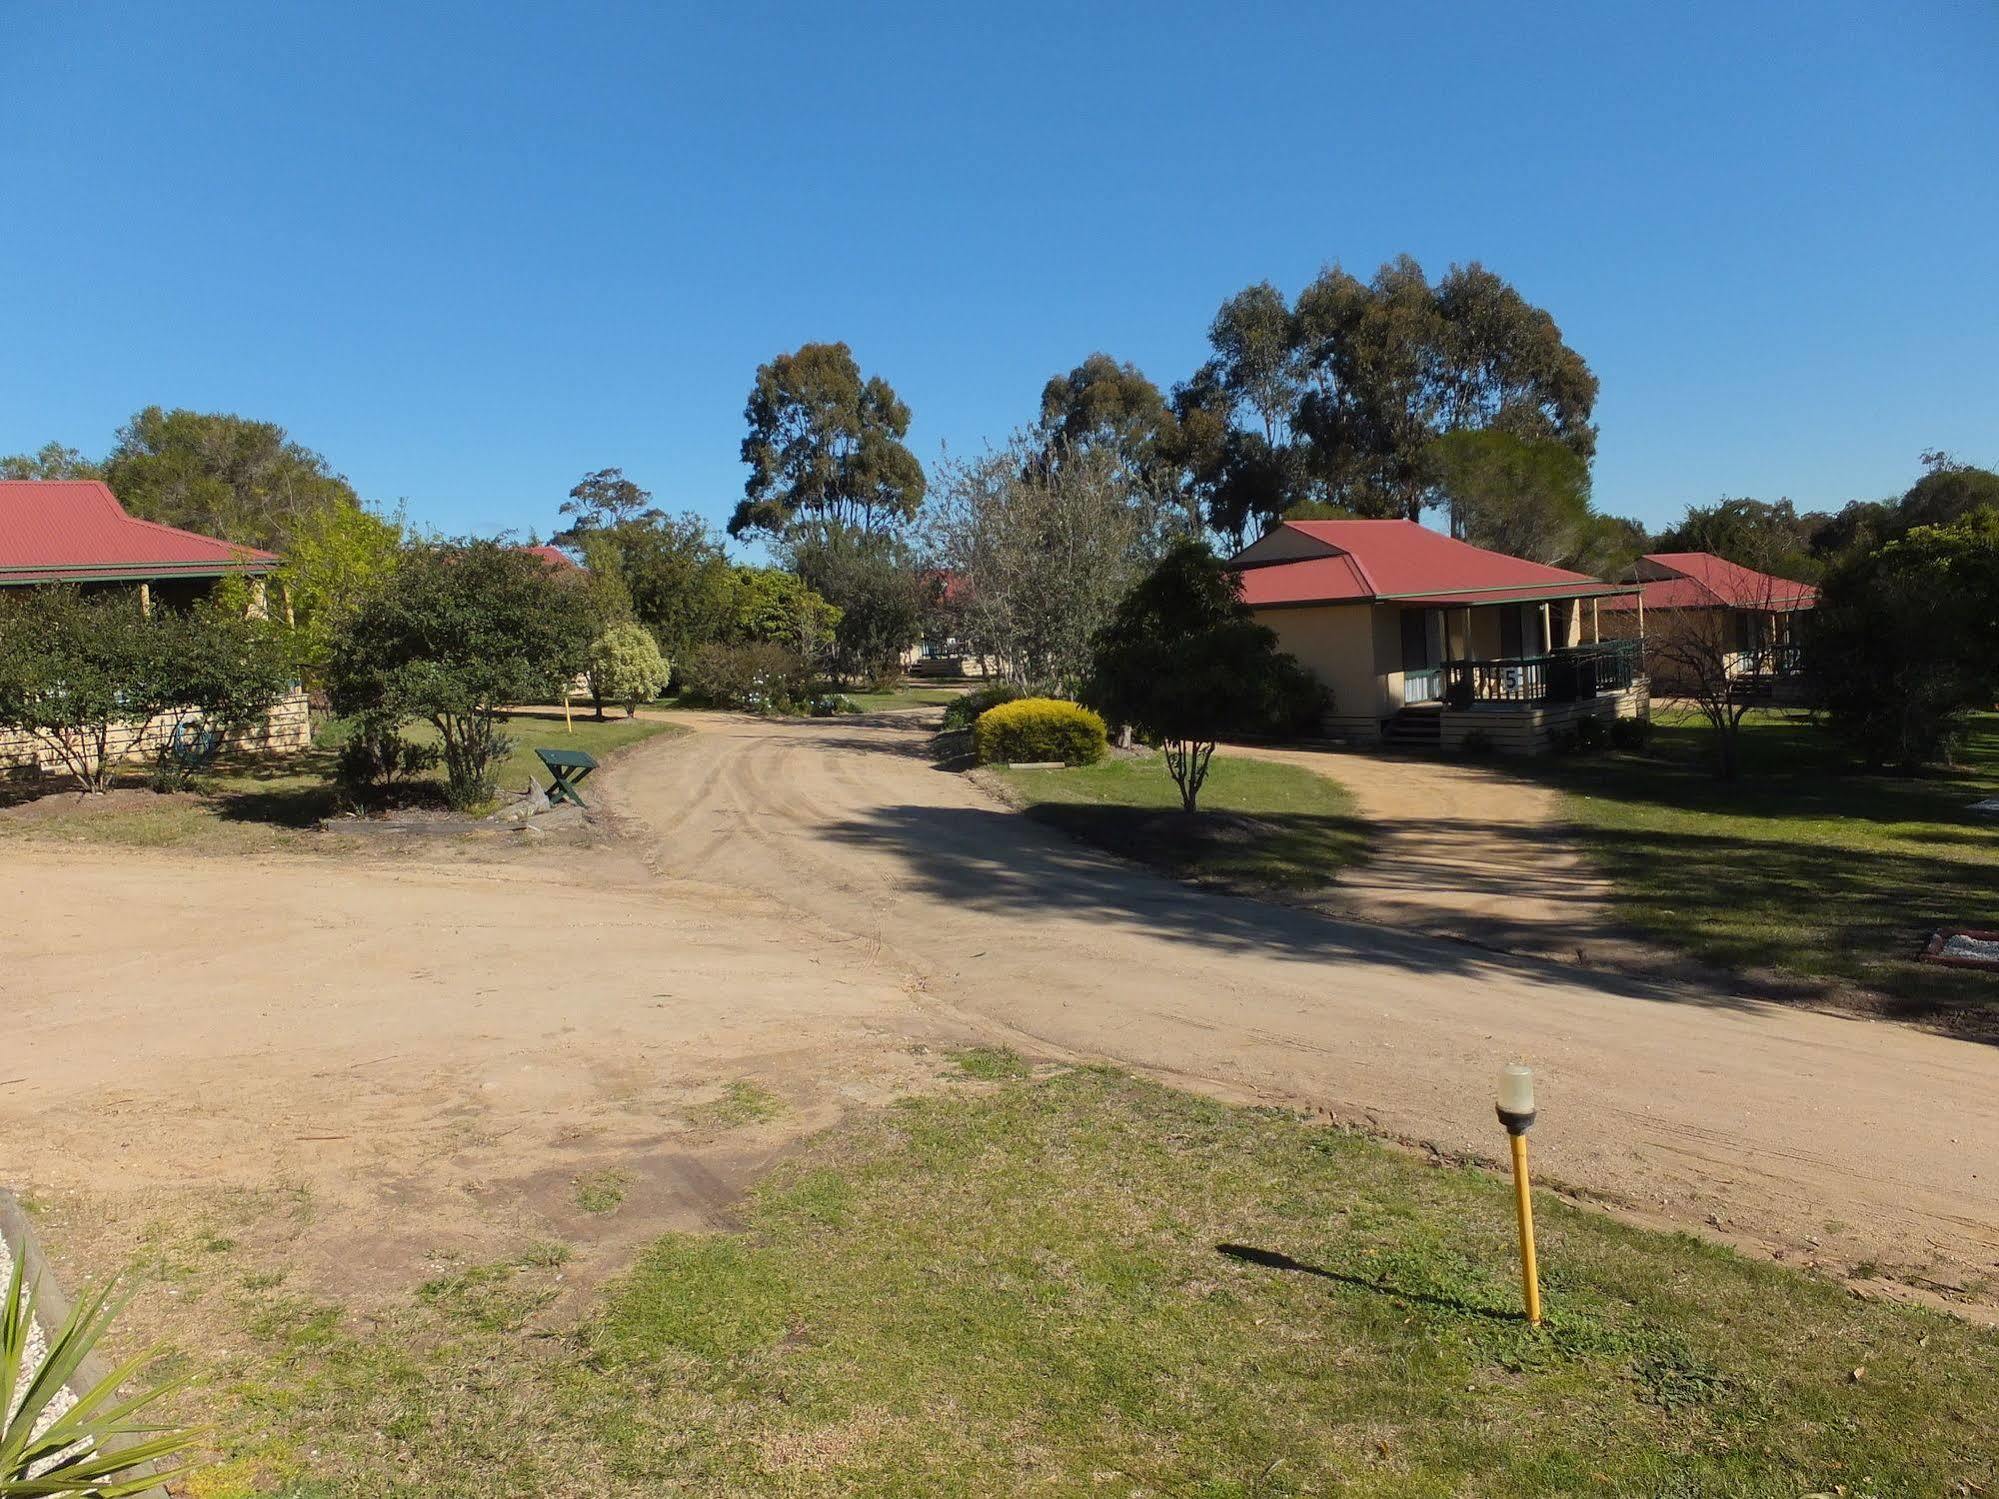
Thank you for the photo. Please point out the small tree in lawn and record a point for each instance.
(626, 667)
(1704, 656)
(456, 633)
(1184, 663)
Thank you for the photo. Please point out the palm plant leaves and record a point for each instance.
(88, 1449)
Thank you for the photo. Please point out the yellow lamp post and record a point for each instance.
(1516, 1112)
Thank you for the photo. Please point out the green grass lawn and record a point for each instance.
(250, 804)
(1260, 825)
(1805, 864)
(1090, 1285)
(904, 697)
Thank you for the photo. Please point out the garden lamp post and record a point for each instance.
(1516, 1112)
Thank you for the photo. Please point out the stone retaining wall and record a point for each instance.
(286, 729)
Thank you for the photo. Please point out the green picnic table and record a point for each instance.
(566, 769)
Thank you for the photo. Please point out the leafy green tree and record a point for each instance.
(1948, 491)
(88, 676)
(222, 475)
(455, 633)
(1608, 546)
(75, 672)
(770, 604)
(51, 461)
(1526, 497)
(332, 556)
(874, 579)
(625, 667)
(1255, 339)
(1184, 663)
(1103, 407)
(825, 447)
(1904, 642)
(669, 573)
(216, 672)
(1772, 537)
(605, 500)
(1390, 365)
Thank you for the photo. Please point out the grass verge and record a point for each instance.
(1262, 825)
(904, 697)
(1094, 1285)
(252, 805)
(1804, 864)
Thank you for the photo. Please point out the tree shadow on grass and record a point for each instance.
(997, 861)
(1270, 1259)
(1281, 851)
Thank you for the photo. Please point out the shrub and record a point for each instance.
(961, 713)
(377, 758)
(1039, 728)
(85, 675)
(1630, 733)
(626, 668)
(1590, 733)
(759, 677)
(453, 635)
(831, 704)
(1184, 662)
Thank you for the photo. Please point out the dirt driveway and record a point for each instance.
(438, 1052)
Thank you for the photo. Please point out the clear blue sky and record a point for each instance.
(471, 251)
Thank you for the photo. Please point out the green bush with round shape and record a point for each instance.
(962, 712)
(1035, 729)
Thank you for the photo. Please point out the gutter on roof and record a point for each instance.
(1552, 590)
(137, 572)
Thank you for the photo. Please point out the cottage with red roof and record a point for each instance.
(1750, 617)
(1425, 639)
(74, 531)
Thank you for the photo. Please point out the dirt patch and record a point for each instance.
(394, 1066)
(67, 805)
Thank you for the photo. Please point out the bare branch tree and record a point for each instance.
(1720, 658)
(1041, 544)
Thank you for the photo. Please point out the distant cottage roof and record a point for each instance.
(1359, 561)
(555, 557)
(75, 531)
(1701, 580)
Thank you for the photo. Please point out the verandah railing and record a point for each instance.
(1563, 676)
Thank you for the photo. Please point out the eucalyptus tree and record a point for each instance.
(825, 448)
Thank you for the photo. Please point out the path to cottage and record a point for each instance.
(1465, 851)
(435, 1051)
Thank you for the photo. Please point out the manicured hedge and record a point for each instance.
(1039, 728)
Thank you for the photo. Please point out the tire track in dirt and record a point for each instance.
(1003, 928)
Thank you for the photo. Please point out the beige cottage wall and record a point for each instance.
(285, 729)
(1338, 644)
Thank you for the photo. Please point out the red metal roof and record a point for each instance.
(56, 530)
(1399, 559)
(554, 556)
(1701, 580)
